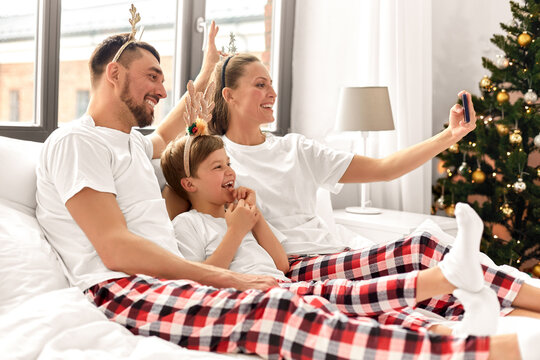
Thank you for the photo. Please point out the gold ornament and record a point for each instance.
(515, 137)
(507, 210)
(502, 97)
(454, 148)
(439, 203)
(524, 39)
(519, 186)
(502, 129)
(478, 176)
(450, 210)
(538, 172)
(485, 83)
(536, 270)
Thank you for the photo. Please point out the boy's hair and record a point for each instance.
(105, 51)
(172, 159)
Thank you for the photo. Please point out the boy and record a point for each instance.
(224, 228)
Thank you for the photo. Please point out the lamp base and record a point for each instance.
(363, 210)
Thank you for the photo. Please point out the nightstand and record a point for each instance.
(390, 224)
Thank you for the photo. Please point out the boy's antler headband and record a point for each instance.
(198, 112)
(135, 18)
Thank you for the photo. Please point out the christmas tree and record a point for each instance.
(496, 167)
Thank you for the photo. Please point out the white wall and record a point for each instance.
(461, 33)
(461, 30)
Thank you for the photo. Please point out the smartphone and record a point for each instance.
(466, 107)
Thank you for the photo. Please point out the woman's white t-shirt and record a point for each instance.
(80, 155)
(199, 235)
(285, 173)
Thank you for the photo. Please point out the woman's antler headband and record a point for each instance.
(198, 113)
(135, 18)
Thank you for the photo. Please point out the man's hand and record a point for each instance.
(257, 282)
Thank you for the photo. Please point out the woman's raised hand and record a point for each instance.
(212, 54)
(457, 125)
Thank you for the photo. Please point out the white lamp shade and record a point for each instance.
(364, 109)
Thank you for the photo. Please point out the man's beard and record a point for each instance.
(139, 112)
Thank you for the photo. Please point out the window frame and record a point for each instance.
(186, 63)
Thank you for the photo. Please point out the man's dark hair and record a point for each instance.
(104, 53)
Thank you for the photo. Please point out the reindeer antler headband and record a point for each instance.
(135, 18)
(199, 108)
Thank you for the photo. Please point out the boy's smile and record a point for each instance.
(213, 181)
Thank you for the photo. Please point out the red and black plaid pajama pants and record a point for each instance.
(416, 252)
(278, 323)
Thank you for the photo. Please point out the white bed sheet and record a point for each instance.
(63, 324)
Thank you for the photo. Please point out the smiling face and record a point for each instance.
(214, 179)
(253, 98)
(143, 88)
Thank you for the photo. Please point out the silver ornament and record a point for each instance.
(537, 141)
(501, 62)
(464, 169)
(530, 97)
(519, 186)
(440, 203)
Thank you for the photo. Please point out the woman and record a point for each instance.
(287, 171)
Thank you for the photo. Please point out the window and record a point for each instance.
(81, 103)
(14, 105)
(45, 46)
(17, 61)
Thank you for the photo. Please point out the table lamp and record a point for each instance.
(364, 109)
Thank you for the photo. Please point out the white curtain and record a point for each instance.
(362, 43)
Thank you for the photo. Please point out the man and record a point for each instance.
(100, 206)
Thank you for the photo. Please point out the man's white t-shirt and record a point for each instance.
(285, 173)
(199, 235)
(80, 155)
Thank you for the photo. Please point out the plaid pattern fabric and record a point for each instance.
(416, 252)
(272, 324)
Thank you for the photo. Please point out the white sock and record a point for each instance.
(461, 266)
(481, 312)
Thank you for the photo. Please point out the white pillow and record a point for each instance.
(28, 265)
(18, 180)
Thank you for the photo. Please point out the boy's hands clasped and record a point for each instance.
(241, 217)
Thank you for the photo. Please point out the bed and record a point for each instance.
(41, 316)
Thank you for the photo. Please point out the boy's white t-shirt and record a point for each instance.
(198, 235)
(285, 173)
(80, 155)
